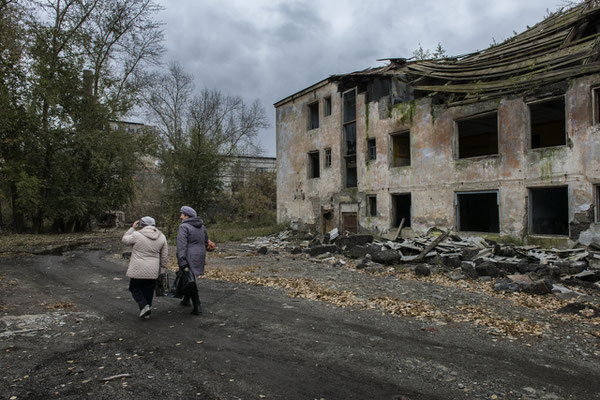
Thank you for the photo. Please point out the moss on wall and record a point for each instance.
(404, 112)
(547, 162)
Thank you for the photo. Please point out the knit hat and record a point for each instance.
(147, 221)
(189, 211)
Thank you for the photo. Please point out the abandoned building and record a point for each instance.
(239, 169)
(502, 142)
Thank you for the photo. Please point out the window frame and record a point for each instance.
(371, 211)
(595, 105)
(327, 160)
(327, 106)
(483, 115)
(371, 149)
(313, 108)
(314, 156)
(457, 205)
(530, 125)
(530, 210)
(392, 137)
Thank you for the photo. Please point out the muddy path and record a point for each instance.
(69, 330)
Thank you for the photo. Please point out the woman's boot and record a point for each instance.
(197, 306)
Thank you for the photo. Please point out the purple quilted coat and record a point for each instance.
(192, 239)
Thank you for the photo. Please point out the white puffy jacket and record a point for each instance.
(150, 252)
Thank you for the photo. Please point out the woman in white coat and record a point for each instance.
(149, 258)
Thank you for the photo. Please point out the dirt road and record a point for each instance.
(69, 330)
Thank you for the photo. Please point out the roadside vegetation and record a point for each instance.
(71, 74)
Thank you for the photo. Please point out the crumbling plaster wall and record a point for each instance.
(435, 173)
(299, 197)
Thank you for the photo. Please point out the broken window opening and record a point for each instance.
(349, 127)
(371, 149)
(478, 136)
(313, 115)
(477, 212)
(313, 161)
(548, 123)
(400, 149)
(372, 205)
(350, 138)
(327, 106)
(351, 175)
(549, 210)
(378, 88)
(327, 158)
(349, 106)
(401, 208)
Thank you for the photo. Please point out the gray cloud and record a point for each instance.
(269, 49)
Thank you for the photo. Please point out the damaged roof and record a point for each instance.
(564, 45)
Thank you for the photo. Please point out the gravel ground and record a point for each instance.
(282, 326)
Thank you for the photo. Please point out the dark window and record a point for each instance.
(313, 115)
(327, 111)
(549, 210)
(371, 149)
(372, 204)
(350, 106)
(401, 209)
(596, 105)
(349, 126)
(548, 123)
(477, 212)
(478, 136)
(400, 149)
(351, 177)
(314, 170)
(327, 158)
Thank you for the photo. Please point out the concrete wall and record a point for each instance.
(435, 174)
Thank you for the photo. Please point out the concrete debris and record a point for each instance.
(530, 269)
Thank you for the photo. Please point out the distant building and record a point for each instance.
(236, 175)
(137, 128)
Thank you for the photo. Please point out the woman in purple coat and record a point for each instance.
(192, 239)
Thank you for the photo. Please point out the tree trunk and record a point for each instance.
(17, 217)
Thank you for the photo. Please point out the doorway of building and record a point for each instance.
(350, 222)
(549, 210)
(326, 221)
(401, 208)
(477, 212)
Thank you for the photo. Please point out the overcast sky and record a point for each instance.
(269, 49)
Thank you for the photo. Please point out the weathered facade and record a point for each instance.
(236, 173)
(505, 141)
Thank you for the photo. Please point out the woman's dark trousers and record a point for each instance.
(142, 291)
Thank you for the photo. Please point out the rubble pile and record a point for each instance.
(511, 268)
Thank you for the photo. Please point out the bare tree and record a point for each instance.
(198, 134)
(122, 36)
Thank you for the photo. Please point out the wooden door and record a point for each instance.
(350, 222)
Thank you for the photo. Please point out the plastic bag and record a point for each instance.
(162, 285)
(211, 246)
(188, 281)
(176, 291)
